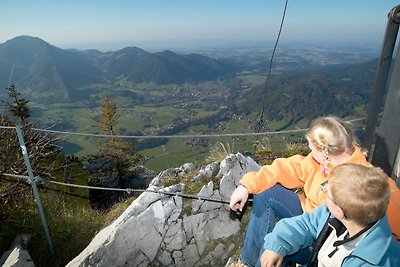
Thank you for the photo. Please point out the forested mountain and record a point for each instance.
(335, 90)
(39, 67)
(42, 69)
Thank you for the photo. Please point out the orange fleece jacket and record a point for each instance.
(299, 171)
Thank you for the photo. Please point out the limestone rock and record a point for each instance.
(139, 177)
(18, 257)
(232, 169)
(164, 230)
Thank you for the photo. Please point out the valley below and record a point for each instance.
(305, 83)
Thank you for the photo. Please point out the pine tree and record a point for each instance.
(19, 107)
(109, 117)
(109, 166)
(119, 151)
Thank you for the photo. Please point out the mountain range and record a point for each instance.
(47, 74)
(43, 70)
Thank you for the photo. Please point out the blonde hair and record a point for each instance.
(332, 136)
(362, 192)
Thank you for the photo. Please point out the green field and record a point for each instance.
(149, 109)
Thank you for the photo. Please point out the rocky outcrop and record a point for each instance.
(170, 230)
(17, 255)
(104, 172)
(138, 176)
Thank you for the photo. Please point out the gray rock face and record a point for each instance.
(18, 257)
(173, 172)
(232, 169)
(139, 176)
(165, 230)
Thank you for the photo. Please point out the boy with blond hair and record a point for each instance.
(351, 229)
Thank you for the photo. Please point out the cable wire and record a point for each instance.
(127, 190)
(169, 136)
(261, 120)
(7, 127)
(174, 136)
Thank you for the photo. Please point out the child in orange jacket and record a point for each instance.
(332, 143)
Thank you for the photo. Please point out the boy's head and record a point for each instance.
(361, 192)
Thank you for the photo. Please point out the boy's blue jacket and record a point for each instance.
(378, 248)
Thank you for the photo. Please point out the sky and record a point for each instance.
(115, 24)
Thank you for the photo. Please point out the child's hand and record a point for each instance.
(271, 259)
(239, 198)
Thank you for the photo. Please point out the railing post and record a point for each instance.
(381, 77)
(32, 181)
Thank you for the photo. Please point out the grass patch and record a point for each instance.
(237, 126)
(274, 125)
(72, 224)
(266, 155)
(220, 151)
(253, 79)
(174, 153)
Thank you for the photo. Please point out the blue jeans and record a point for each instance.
(277, 201)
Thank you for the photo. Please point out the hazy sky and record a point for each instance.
(114, 24)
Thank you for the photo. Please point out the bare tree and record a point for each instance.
(41, 147)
